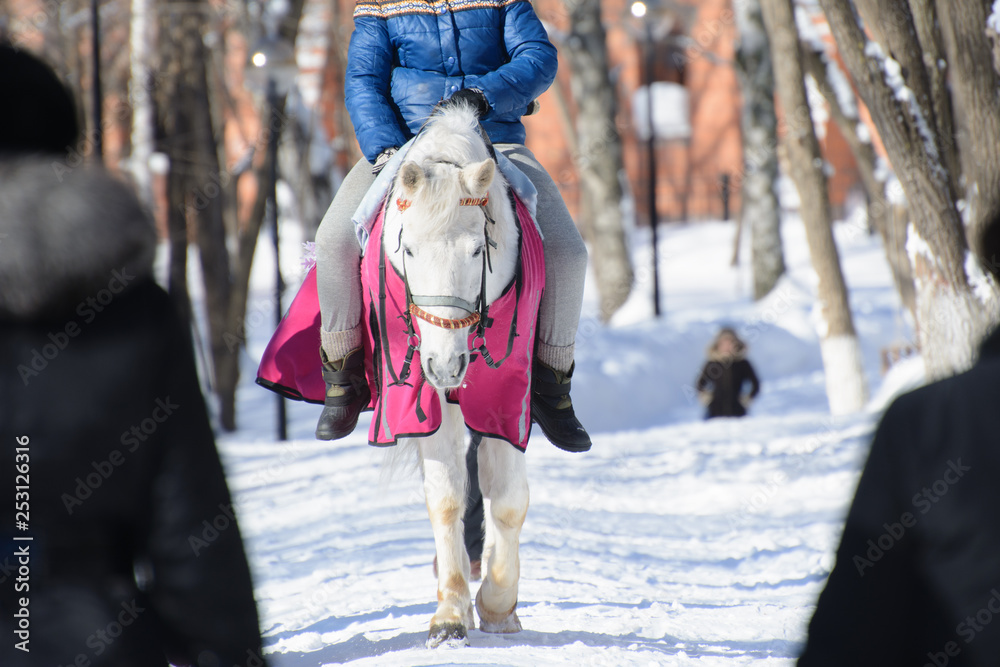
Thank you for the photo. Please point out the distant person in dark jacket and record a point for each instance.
(722, 385)
(917, 577)
(118, 540)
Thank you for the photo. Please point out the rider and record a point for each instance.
(402, 60)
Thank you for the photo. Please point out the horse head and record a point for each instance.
(450, 233)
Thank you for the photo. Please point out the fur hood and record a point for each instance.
(66, 236)
(739, 347)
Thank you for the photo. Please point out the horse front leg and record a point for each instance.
(443, 460)
(503, 478)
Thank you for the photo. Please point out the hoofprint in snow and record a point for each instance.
(673, 542)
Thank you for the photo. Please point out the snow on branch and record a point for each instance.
(984, 287)
(811, 37)
(904, 95)
(918, 247)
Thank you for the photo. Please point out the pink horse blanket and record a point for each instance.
(494, 401)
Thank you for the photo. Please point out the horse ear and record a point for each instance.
(411, 175)
(479, 177)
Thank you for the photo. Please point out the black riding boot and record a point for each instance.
(552, 409)
(347, 394)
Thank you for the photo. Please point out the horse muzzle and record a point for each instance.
(446, 372)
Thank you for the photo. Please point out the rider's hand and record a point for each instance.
(382, 158)
(471, 96)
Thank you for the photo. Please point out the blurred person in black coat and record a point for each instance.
(725, 375)
(917, 577)
(118, 541)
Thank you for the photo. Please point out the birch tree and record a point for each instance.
(760, 212)
(926, 63)
(846, 388)
(599, 158)
(141, 43)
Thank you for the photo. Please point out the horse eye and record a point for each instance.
(478, 252)
(407, 251)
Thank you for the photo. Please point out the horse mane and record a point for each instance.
(452, 139)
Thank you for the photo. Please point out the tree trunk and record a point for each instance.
(894, 27)
(928, 32)
(882, 215)
(761, 213)
(196, 181)
(233, 335)
(975, 86)
(200, 164)
(141, 43)
(846, 387)
(198, 189)
(599, 160)
(177, 235)
(950, 317)
(172, 130)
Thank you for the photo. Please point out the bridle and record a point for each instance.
(414, 302)
(478, 312)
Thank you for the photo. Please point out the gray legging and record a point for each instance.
(338, 263)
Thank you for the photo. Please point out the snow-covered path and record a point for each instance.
(680, 542)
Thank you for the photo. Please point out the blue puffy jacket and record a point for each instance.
(404, 57)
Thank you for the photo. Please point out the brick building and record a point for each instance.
(694, 43)
(694, 47)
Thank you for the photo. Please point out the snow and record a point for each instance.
(983, 285)
(671, 111)
(817, 107)
(864, 134)
(675, 541)
(993, 22)
(894, 192)
(917, 246)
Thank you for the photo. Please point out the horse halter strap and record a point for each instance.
(443, 322)
(414, 303)
(403, 204)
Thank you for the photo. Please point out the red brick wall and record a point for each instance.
(688, 186)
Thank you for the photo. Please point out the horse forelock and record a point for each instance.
(452, 140)
(434, 208)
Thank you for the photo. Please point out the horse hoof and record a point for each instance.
(449, 635)
(507, 623)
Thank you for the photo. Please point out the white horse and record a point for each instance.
(438, 211)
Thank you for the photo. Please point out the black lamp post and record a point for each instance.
(273, 64)
(639, 10)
